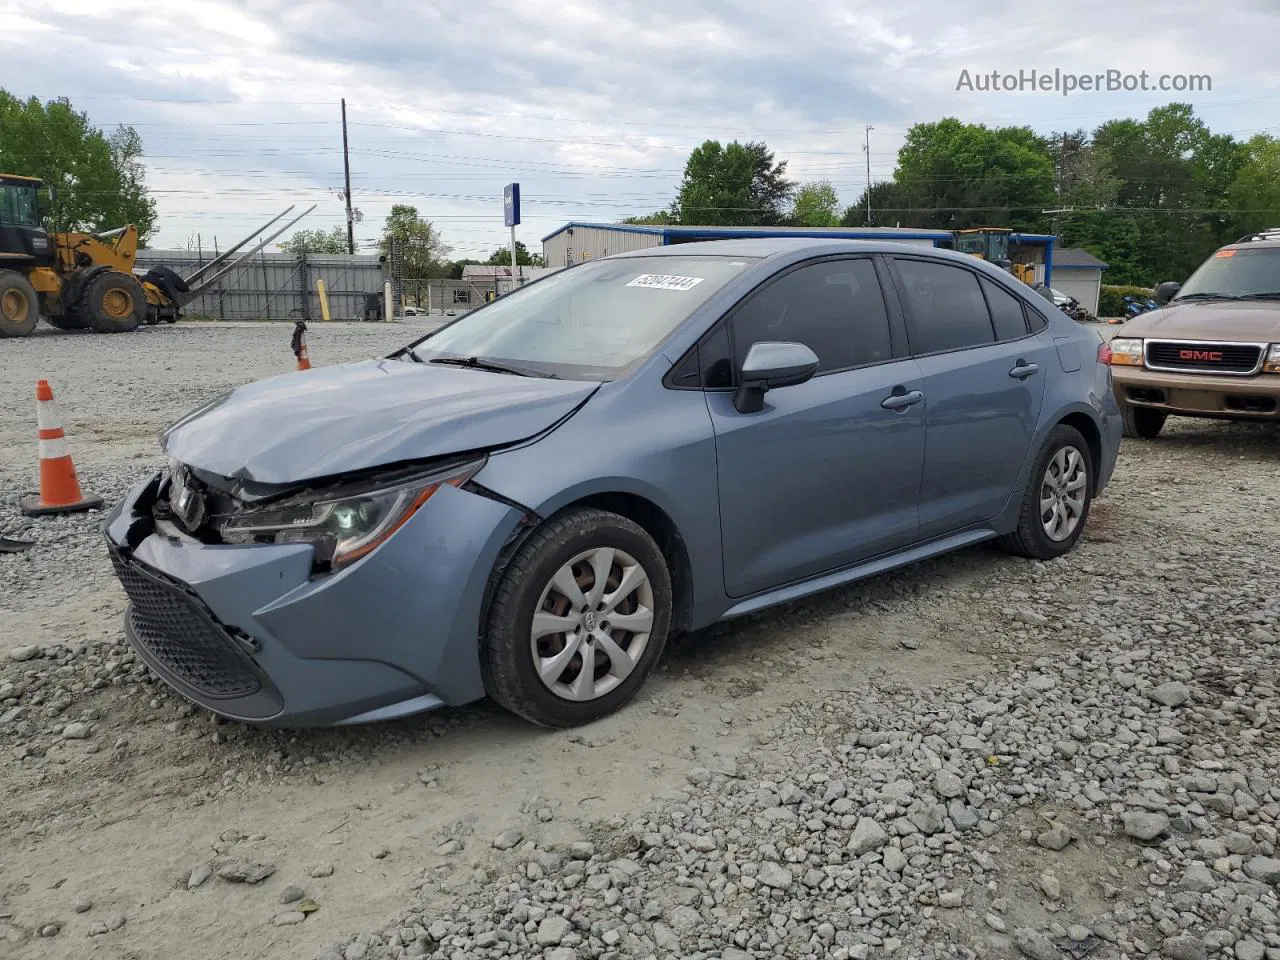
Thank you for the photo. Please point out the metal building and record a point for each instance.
(277, 286)
(576, 242)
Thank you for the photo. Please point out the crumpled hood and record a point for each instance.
(1250, 321)
(333, 420)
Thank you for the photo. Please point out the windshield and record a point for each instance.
(1236, 273)
(18, 205)
(597, 321)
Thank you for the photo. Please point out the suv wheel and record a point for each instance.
(578, 620)
(1056, 504)
(1142, 422)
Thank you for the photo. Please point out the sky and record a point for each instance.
(592, 107)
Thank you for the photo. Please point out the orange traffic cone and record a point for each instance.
(299, 345)
(59, 487)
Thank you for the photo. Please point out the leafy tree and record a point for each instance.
(502, 257)
(657, 218)
(888, 201)
(1255, 192)
(816, 205)
(331, 241)
(734, 185)
(98, 181)
(423, 252)
(955, 175)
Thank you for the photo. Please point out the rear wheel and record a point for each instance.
(19, 306)
(1142, 422)
(114, 302)
(578, 620)
(1056, 504)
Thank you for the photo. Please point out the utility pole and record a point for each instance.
(346, 173)
(1062, 186)
(867, 148)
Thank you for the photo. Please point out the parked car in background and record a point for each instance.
(1212, 349)
(529, 501)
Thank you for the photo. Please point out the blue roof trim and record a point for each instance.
(620, 227)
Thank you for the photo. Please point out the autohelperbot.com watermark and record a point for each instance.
(1066, 83)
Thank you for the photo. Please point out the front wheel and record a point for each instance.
(19, 306)
(1141, 422)
(1056, 504)
(114, 302)
(578, 619)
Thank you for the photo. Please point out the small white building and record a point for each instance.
(1078, 273)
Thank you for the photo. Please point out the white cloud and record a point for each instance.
(591, 105)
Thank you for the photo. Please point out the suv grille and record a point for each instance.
(1229, 358)
(182, 636)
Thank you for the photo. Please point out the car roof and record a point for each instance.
(793, 248)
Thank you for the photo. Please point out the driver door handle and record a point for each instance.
(1024, 370)
(900, 401)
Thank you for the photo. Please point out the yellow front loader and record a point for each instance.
(86, 280)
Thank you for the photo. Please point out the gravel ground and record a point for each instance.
(977, 757)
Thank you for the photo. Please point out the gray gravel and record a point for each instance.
(1097, 777)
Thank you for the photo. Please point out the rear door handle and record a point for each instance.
(1024, 370)
(900, 401)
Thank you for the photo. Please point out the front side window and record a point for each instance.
(1234, 273)
(834, 308)
(597, 321)
(945, 308)
(18, 207)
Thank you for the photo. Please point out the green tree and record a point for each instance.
(97, 180)
(954, 175)
(888, 201)
(734, 185)
(502, 257)
(331, 241)
(816, 205)
(1255, 192)
(423, 252)
(657, 218)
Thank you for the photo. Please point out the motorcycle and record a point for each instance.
(1066, 303)
(1135, 306)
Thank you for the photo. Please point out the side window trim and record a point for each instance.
(1022, 304)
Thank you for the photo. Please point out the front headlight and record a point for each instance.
(1126, 352)
(343, 525)
(1272, 363)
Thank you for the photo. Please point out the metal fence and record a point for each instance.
(452, 296)
(278, 286)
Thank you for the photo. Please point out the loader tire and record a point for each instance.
(113, 302)
(68, 321)
(19, 305)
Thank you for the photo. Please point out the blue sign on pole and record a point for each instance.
(511, 205)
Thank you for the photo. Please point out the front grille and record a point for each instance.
(1208, 357)
(182, 636)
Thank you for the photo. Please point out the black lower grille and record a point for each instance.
(1204, 357)
(182, 636)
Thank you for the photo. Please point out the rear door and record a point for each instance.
(984, 377)
(825, 475)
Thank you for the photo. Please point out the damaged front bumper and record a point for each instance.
(251, 633)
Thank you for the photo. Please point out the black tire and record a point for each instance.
(1142, 422)
(507, 652)
(68, 321)
(19, 305)
(113, 302)
(1030, 539)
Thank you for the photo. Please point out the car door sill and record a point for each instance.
(868, 568)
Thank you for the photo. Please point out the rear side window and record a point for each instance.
(1006, 312)
(835, 308)
(945, 307)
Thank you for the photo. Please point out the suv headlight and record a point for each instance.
(1126, 352)
(1272, 363)
(346, 523)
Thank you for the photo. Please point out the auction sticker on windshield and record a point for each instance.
(662, 281)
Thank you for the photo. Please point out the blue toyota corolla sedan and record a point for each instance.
(527, 502)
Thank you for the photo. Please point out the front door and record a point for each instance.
(826, 474)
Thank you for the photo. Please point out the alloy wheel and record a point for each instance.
(591, 624)
(1063, 491)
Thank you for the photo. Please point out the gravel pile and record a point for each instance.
(1066, 760)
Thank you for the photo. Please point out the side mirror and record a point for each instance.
(768, 366)
(1167, 291)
